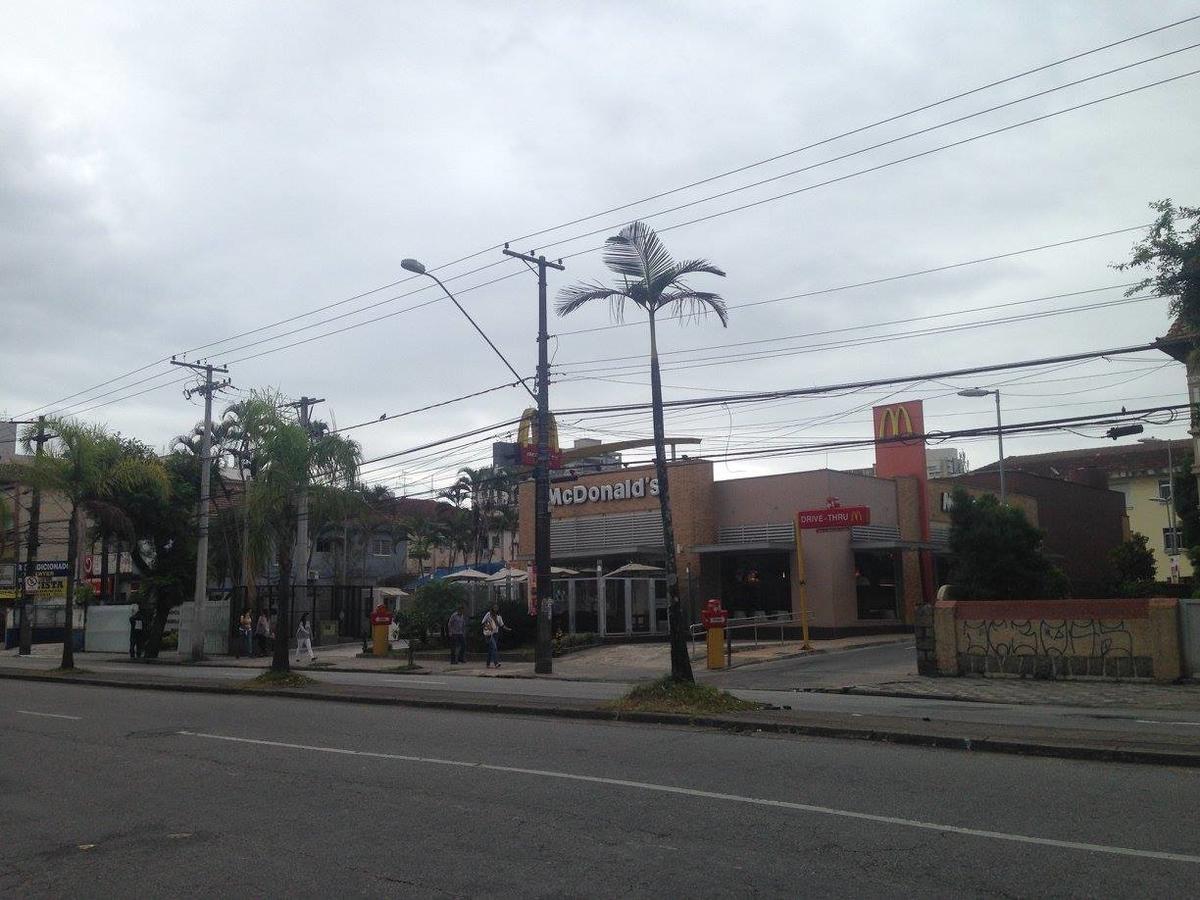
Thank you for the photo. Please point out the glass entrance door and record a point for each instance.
(615, 601)
(641, 602)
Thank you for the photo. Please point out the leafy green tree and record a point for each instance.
(90, 468)
(1171, 251)
(292, 457)
(164, 548)
(1133, 561)
(656, 283)
(996, 554)
(430, 608)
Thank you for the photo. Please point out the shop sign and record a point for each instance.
(51, 581)
(629, 489)
(834, 517)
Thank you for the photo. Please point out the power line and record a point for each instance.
(958, 312)
(852, 153)
(659, 195)
(875, 281)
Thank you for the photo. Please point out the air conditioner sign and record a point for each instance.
(629, 489)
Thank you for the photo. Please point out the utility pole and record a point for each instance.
(543, 657)
(201, 593)
(300, 555)
(31, 545)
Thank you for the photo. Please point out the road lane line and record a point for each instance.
(715, 795)
(1160, 722)
(27, 712)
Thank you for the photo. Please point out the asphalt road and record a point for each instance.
(114, 792)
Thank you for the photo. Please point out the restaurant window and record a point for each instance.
(877, 584)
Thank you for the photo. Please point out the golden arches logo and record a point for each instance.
(897, 421)
(527, 432)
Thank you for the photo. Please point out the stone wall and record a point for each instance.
(1110, 639)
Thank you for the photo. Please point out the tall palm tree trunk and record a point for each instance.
(280, 657)
(681, 664)
(73, 551)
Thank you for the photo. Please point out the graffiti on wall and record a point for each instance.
(1095, 638)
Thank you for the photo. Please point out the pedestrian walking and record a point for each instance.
(456, 628)
(262, 633)
(304, 639)
(136, 630)
(493, 624)
(246, 630)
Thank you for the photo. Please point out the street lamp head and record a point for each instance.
(974, 392)
(1150, 440)
(413, 265)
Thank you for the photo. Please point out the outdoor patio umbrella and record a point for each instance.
(634, 570)
(466, 575)
(504, 574)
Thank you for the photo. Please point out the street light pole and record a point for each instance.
(541, 591)
(982, 392)
(543, 655)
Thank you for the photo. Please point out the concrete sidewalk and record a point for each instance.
(603, 663)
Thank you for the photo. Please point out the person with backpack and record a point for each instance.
(304, 639)
(493, 624)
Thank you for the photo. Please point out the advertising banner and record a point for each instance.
(51, 581)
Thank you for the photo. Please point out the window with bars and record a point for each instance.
(1172, 539)
(381, 546)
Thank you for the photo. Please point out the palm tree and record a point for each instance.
(423, 535)
(479, 485)
(90, 468)
(292, 457)
(652, 280)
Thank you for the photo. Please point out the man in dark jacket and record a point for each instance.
(136, 632)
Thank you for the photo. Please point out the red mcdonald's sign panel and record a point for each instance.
(893, 454)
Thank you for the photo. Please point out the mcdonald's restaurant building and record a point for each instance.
(735, 540)
(741, 540)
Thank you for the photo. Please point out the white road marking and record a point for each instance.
(714, 795)
(1159, 722)
(27, 712)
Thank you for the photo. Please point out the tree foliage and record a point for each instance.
(996, 554)
(430, 608)
(90, 468)
(1171, 252)
(1133, 561)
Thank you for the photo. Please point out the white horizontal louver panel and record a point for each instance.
(778, 533)
(597, 534)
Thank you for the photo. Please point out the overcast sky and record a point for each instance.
(174, 175)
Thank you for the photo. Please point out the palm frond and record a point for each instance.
(693, 305)
(637, 253)
(579, 295)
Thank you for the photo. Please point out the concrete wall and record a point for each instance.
(1112, 639)
(107, 629)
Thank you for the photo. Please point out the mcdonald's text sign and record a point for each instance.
(834, 517)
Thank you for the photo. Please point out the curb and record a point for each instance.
(1083, 752)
